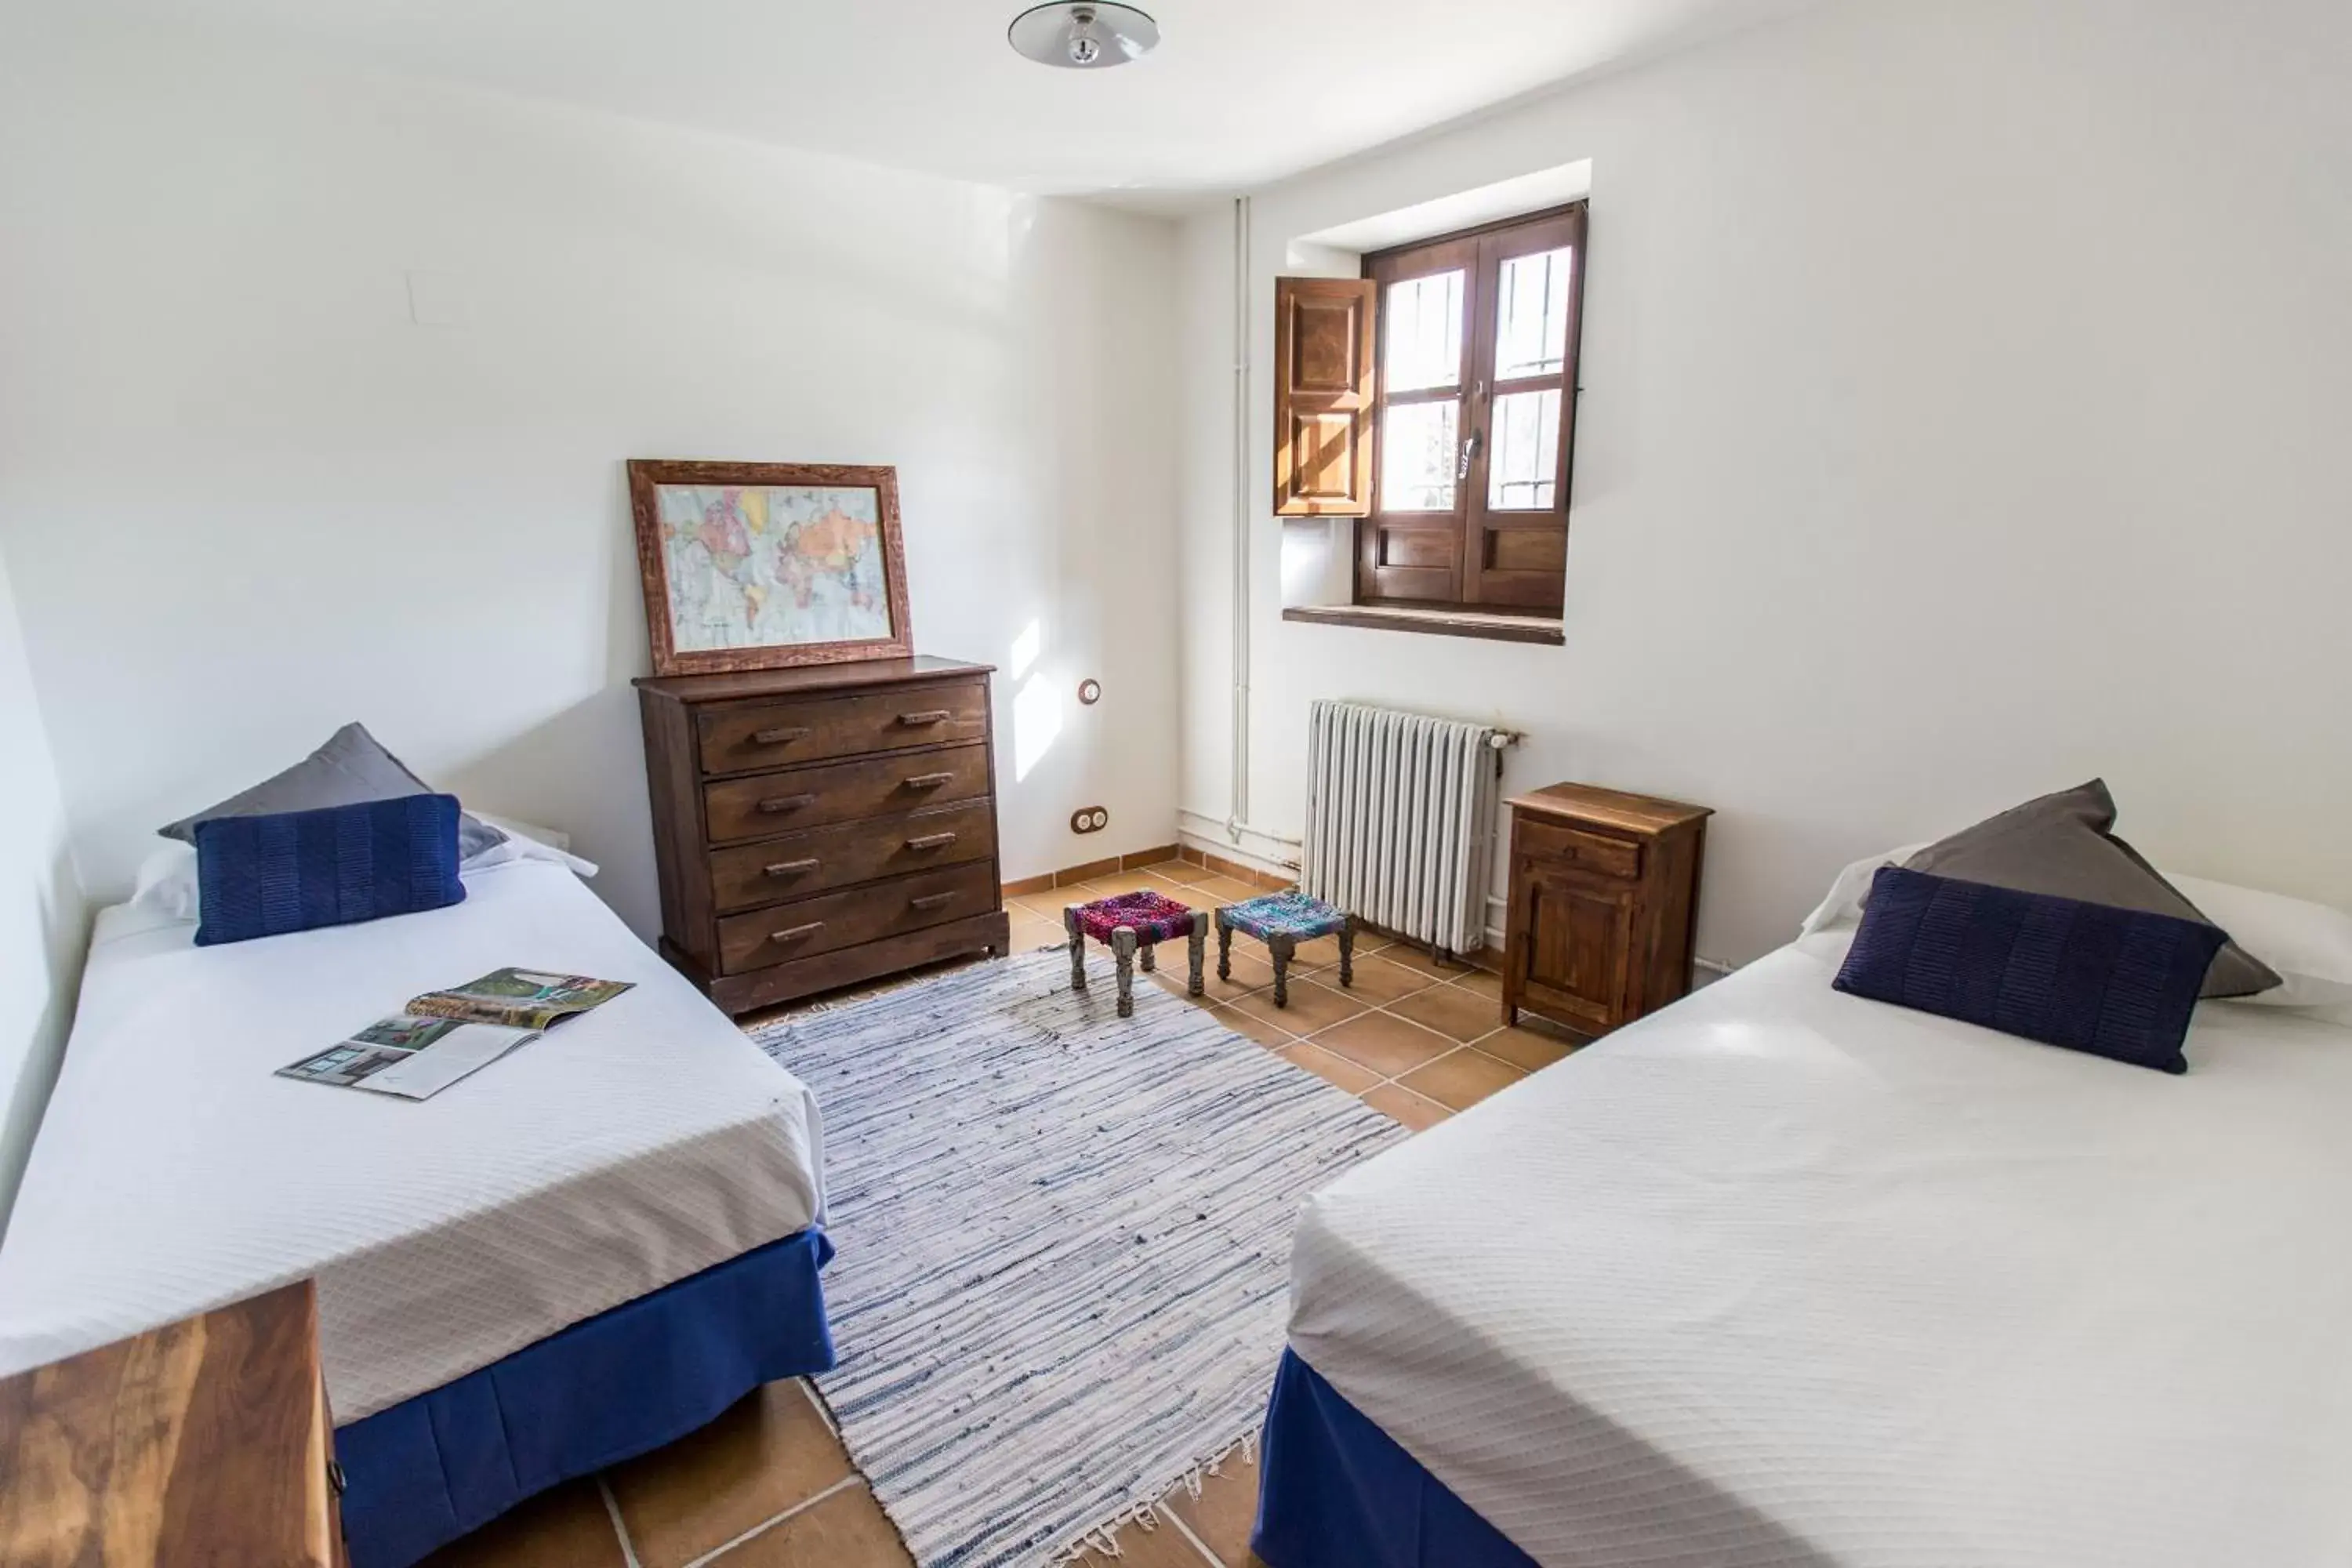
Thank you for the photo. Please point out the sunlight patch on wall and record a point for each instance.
(1036, 724)
(1025, 649)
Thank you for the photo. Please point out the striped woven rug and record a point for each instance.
(1065, 1245)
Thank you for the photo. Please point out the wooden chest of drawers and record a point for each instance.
(1604, 902)
(820, 827)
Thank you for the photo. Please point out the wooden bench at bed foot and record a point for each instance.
(204, 1441)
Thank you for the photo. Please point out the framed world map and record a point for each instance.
(766, 565)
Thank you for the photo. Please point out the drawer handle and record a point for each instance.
(929, 781)
(917, 721)
(778, 737)
(934, 900)
(776, 802)
(931, 841)
(794, 933)
(791, 868)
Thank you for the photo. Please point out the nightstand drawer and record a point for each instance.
(786, 734)
(1586, 851)
(764, 804)
(796, 866)
(854, 915)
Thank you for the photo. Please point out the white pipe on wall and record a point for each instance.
(1238, 818)
(1237, 826)
(1207, 824)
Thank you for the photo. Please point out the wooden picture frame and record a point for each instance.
(763, 559)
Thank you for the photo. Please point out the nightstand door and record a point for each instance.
(1575, 953)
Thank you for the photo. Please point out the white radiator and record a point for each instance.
(1401, 820)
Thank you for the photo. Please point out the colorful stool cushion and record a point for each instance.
(1131, 925)
(1152, 916)
(1282, 921)
(1291, 914)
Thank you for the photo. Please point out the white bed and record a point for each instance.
(631, 1148)
(1785, 1276)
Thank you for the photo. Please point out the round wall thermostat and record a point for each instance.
(1089, 692)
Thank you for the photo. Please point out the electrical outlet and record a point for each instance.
(1090, 819)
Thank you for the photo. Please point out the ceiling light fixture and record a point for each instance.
(1088, 34)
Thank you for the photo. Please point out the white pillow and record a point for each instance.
(167, 878)
(527, 841)
(167, 881)
(1852, 886)
(551, 837)
(2309, 945)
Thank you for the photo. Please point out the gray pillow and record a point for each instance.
(351, 769)
(2060, 844)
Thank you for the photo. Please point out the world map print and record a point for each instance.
(761, 566)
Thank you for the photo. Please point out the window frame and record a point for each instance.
(1486, 550)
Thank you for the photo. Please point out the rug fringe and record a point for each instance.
(1103, 1537)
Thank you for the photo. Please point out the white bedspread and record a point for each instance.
(1785, 1276)
(627, 1150)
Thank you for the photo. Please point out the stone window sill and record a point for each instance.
(1436, 623)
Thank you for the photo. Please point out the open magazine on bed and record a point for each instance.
(442, 1035)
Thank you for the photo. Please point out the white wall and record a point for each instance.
(247, 500)
(41, 911)
(1966, 386)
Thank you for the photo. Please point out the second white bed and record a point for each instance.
(630, 1148)
(1785, 1276)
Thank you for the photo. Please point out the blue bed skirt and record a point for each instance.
(430, 1469)
(1335, 1491)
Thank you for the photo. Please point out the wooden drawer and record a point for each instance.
(804, 863)
(855, 915)
(1590, 852)
(786, 734)
(765, 804)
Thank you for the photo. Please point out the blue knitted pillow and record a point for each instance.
(2116, 983)
(265, 876)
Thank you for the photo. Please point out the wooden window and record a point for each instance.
(1473, 416)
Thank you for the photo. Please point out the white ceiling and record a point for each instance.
(1239, 92)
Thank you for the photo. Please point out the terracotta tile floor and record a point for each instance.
(768, 1485)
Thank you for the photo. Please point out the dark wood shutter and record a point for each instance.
(1322, 396)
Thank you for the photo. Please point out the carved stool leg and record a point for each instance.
(1224, 947)
(1193, 987)
(1282, 944)
(1148, 952)
(1122, 951)
(1078, 947)
(1347, 953)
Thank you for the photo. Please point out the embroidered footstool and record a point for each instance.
(1283, 920)
(1127, 924)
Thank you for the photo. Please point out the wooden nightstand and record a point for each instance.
(205, 1442)
(1604, 900)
